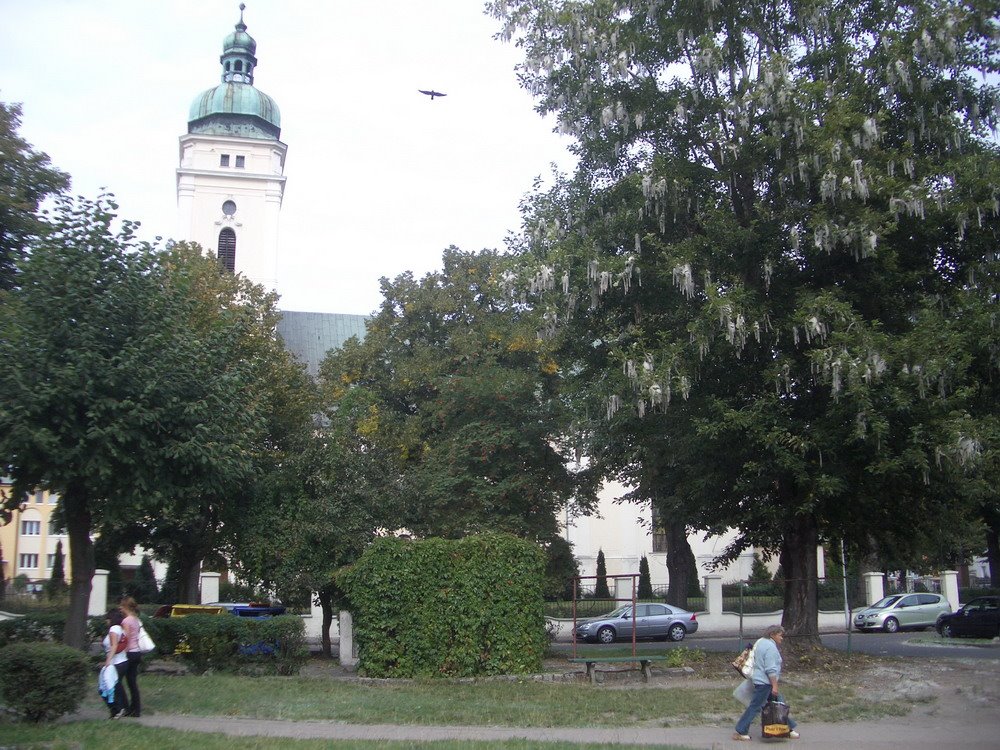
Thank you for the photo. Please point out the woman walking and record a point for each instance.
(131, 624)
(766, 673)
(116, 657)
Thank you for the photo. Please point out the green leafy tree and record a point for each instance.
(151, 402)
(776, 212)
(26, 179)
(465, 396)
(320, 508)
(56, 585)
(262, 402)
(601, 590)
(645, 583)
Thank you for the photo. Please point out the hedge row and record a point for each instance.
(274, 645)
(218, 642)
(448, 608)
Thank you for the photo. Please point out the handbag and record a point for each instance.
(743, 664)
(774, 719)
(145, 642)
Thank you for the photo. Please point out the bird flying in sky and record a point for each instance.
(432, 93)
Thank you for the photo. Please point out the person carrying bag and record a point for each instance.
(765, 676)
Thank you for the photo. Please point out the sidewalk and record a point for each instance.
(913, 733)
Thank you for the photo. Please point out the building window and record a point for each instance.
(54, 528)
(229, 208)
(227, 249)
(39, 497)
(239, 66)
(50, 560)
(31, 528)
(27, 560)
(224, 160)
(241, 161)
(53, 498)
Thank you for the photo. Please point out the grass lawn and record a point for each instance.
(819, 689)
(515, 704)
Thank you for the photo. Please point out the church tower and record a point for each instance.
(230, 182)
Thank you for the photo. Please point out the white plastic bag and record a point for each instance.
(744, 692)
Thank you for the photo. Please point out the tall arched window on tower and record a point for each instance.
(227, 249)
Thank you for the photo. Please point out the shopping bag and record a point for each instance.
(774, 719)
(743, 664)
(744, 692)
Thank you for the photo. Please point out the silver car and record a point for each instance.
(658, 621)
(902, 612)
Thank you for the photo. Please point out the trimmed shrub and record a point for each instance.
(274, 645)
(601, 590)
(448, 608)
(33, 627)
(40, 681)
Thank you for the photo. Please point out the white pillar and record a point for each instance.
(209, 587)
(873, 587)
(98, 604)
(348, 651)
(713, 594)
(949, 587)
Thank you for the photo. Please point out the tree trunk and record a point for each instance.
(679, 558)
(993, 548)
(81, 554)
(798, 561)
(188, 573)
(326, 604)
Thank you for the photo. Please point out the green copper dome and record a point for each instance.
(235, 107)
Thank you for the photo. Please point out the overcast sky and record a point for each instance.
(380, 178)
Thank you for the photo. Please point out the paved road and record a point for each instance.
(877, 644)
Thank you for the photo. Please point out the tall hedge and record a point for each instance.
(448, 608)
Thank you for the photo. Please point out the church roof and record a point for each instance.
(235, 107)
(310, 335)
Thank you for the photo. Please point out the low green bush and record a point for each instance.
(40, 681)
(226, 643)
(35, 626)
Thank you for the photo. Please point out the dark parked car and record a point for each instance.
(902, 612)
(980, 618)
(658, 621)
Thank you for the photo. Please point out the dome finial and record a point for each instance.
(242, 26)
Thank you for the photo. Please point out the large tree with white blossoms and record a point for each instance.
(779, 211)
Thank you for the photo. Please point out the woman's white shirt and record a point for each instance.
(122, 655)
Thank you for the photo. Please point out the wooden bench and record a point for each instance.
(645, 662)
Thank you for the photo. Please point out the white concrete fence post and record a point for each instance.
(873, 587)
(713, 595)
(98, 603)
(949, 587)
(209, 587)
(348, 651)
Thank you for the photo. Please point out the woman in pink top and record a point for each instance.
(131, 626)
